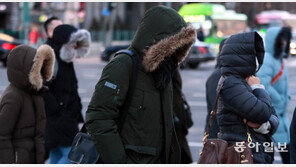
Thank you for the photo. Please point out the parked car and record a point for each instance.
(7, 43)
(111, 50)
(199, 52)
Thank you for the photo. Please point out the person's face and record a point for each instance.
(53, 24)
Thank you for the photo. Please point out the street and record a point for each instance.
(88, 71)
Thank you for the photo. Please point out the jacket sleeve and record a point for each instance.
(9, 113)
(274, 123)
(254, 106)
(103, 110)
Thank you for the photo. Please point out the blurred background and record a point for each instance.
(113, 25)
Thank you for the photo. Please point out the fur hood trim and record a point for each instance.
(82, 40)
(43, 66)
(180, 43)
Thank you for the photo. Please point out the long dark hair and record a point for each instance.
(284, 35)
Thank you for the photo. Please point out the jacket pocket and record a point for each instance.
(139, 154)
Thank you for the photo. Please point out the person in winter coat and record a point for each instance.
(200, 34)
(181, 122)
(274, 76)
(34, 35)
(243, 100)
(211, 94)
(50, 24)
(147, 133)
(22, 115)
(293, 139)
(62, 101)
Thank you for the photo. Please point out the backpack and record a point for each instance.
(83, 150)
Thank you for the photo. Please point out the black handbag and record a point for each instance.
(83, 149)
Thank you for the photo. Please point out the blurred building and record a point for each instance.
(127, 15)
(253, 8)
(9, 15)
(121, 18)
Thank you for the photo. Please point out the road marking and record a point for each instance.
(197, 103)
(199, 94)
(82, 90)
(85, 100)
(2, 87)
(195, 144)
(90, 76)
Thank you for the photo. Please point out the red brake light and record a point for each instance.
(8, 46)
(202, 50)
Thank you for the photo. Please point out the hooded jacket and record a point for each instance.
(62, 102)
(279, 92)
(22, 115)
(147, 132)
(237, 100)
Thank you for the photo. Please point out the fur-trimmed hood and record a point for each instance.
(274, 40)
(162, 33)
(82, 40)
(69, 42)
(28, 67)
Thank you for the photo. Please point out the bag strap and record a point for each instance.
(278, 75)
(132, 83)
(213, 113)
(131, 88)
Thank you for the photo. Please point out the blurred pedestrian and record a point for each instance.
(34, 35)
(293, 139)
(200, 34)
(182, 117)
(242, 99)
(274, 76)
(62, 101)
(22, 115)
(50, 24)
(147, 133)
(211, 94)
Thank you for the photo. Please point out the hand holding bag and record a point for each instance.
(83, 150)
